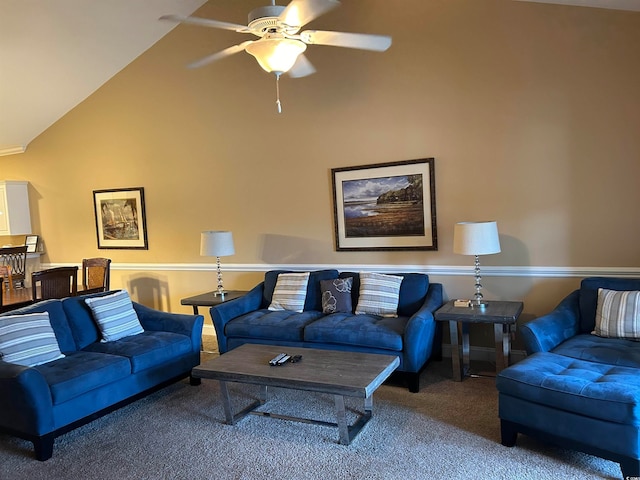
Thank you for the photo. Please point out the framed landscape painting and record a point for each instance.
(388, 206)
(120, 218)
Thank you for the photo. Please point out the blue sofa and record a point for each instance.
(576, 389)
(413, 335)
(42, 402)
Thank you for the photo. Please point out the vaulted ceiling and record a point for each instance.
(54, 54)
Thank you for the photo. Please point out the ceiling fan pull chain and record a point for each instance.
(278, 93)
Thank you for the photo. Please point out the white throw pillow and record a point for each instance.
(378, 294)
(115, 316)
(290, 292)
(618, 314)
(28, 339)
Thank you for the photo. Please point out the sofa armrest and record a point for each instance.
(547, 332)
(156, 320)
(420, 330)
(226, 311)
(25, 400)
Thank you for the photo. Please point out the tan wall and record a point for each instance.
(530, 110)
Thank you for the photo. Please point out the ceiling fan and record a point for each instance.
(281, 44)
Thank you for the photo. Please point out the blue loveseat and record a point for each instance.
(576, 389)
(42, 402)
(413, 335)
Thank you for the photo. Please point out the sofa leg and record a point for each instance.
(43, 447)
(508, 432)
(413, 379)
(193, 381)
(630, 468)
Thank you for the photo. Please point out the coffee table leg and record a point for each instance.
(503, 345)
(341, 420)
(348, 433)
(226, 403)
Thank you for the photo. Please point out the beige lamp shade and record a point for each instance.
(476, 238)
(216, 243)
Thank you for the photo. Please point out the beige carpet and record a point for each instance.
(448, 430)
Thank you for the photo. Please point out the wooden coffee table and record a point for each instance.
(343, 374)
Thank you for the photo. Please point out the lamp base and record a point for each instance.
(479, 305)
(220, 293)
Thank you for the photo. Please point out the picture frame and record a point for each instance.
(120, 218)
(31, 241)
(385, 207)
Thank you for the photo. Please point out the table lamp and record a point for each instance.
(215, 243)
(476, 238)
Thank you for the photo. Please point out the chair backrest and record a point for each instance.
(96, 274)
(16, 258)
(60, 282)
(5, 272)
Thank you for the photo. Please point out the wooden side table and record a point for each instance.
(210, 300)
(503, 316)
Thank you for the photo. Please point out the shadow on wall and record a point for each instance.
(285, 249)
(149, 291)
(513, 253)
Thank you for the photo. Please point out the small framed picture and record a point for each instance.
(31, 241)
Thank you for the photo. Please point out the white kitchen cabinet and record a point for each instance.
(15, 217)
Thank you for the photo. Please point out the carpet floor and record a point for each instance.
(447, 430)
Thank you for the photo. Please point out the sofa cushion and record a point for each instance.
(84, 328)
(358, 330)
(379, 294)
(618, 314)
(58, 319)
(81, 372)
(290, 292)
(611, 351)
(148, 349)
(264, 324)
(28, 339)
(597, 390)
(115, 316)
(336, 295)
(313, 300)
(589, 296)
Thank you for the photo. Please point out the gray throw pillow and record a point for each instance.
(336, 295)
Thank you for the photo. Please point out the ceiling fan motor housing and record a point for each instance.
(265, 19)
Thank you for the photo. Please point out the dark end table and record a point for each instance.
(209, 299)
(503, 316)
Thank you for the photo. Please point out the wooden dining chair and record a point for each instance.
(59, 282)
(16, 258)
(96, 274)
(6, 275)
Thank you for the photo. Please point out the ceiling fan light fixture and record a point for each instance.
(276, 55)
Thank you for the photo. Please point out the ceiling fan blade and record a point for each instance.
(364, 41)
(220, 55)
(301, 12)
(205, 22)
(301, 68)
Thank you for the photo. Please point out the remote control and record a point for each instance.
(283, 360)
(274, 361)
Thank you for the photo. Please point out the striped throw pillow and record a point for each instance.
(28, 339)
(379, 294)
(115, 316)
(290, 292)
(618, 314)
